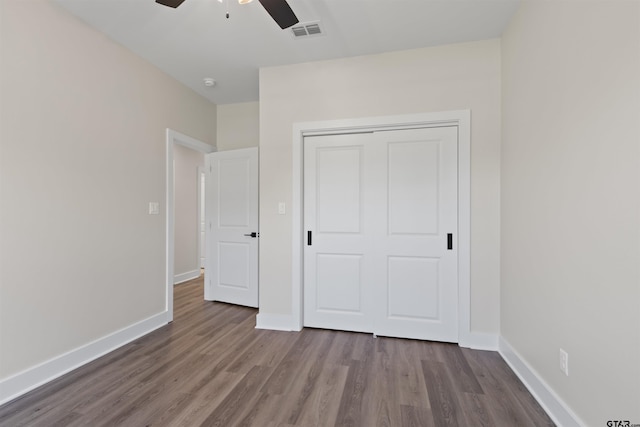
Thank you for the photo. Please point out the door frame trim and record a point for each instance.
(173, 137)
(201, 217)
(459, 118)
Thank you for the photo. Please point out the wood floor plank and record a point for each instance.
(363, 346)
(406, 364)
(324, 401)
(297, 356)
(45, 399)
(475, 410)
(445, 406)
(515, 388)
(503, 408)
(167, 409)
(460, 372)
(265, 350)
(264, 408)
(351, 408)
(416, 417)
(382, 397)
(303, 390)
(64, 421)
(307, 375)
(212, 367)
(342, 348)
(148, 378)
(240, 399)
(207, 398)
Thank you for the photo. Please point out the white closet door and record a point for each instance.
(417, 276)
(379, 207)
(337, 268)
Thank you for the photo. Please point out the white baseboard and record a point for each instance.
(479, 341)
(555, 407)
(275, 322)
(31, 378)
(185, 277)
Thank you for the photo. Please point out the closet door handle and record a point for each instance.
(309, 238)
(449, 241)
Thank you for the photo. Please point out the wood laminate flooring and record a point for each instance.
(211, 367)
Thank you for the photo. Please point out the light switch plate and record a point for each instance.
(154, 208)
(282, 208)
(564, 362)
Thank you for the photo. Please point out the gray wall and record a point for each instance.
(82, 154)
(454, 77)
(238, 125)
(571, 201)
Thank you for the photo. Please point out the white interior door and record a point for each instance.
(337, 256)
(232, 235)
(380, 208)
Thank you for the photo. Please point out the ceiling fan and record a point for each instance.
(279, 10)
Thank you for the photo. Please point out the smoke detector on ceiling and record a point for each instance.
(209, 82)
(307, 29)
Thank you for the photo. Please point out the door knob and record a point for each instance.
(253, 234)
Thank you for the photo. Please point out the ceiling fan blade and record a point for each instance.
(281, 12)
(170, 3)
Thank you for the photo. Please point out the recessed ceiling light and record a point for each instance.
(209, 82)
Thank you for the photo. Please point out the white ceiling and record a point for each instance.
(196, 41)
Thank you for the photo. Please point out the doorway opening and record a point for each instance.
(174, 138)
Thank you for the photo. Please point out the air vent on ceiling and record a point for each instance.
(306, 29)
